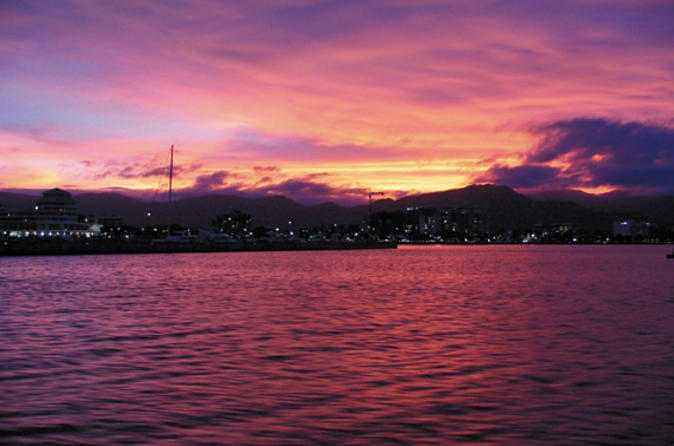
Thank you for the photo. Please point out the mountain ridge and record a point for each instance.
(504, 207)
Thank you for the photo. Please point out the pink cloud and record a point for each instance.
(356, 87)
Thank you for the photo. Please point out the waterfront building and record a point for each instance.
(12, 221)
(55, 214)
(4, 217)
(111, 222)
(56, 210)
(632, 228)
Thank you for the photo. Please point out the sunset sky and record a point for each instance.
(324, 100)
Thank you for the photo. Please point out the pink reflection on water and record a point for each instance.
(504, 344)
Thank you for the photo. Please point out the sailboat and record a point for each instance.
(167, 233)
(159, 191)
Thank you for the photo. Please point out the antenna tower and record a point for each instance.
(170, 191)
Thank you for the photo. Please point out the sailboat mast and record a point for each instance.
(170, 191)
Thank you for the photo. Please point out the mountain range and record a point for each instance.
(501, 206)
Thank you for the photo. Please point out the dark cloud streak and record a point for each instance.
(146, 171)
(308, 189)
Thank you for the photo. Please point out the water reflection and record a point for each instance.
(433, 345)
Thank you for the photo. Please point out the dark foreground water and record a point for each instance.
(500, 344)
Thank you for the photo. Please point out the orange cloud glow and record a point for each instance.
(394, 96)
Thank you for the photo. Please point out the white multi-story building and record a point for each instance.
(57, 210)
(55, 214)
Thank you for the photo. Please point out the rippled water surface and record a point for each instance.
(499, 344)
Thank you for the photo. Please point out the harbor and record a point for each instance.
(55, 225)
(58, 222)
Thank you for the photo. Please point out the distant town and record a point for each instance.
(55, 223)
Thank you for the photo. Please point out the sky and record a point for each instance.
(326, 100)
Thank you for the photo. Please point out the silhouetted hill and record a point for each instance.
(503, 208)
(197, 211)
(500, 206)
(572, 195)
(658, 209)
(108, 204)
(268, 211)
(12, 200)
(484, 196)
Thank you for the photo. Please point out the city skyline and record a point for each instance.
(325, 100)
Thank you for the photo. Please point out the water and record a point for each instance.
(434, 345)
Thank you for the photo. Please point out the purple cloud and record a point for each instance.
(521, 177)
(144, 171)
(595, 152)
(266, 169)
(211, 181)
(308, 189)
(250, 143)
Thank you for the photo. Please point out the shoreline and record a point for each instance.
(97, 248)
(77, 248)
(536, 244)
